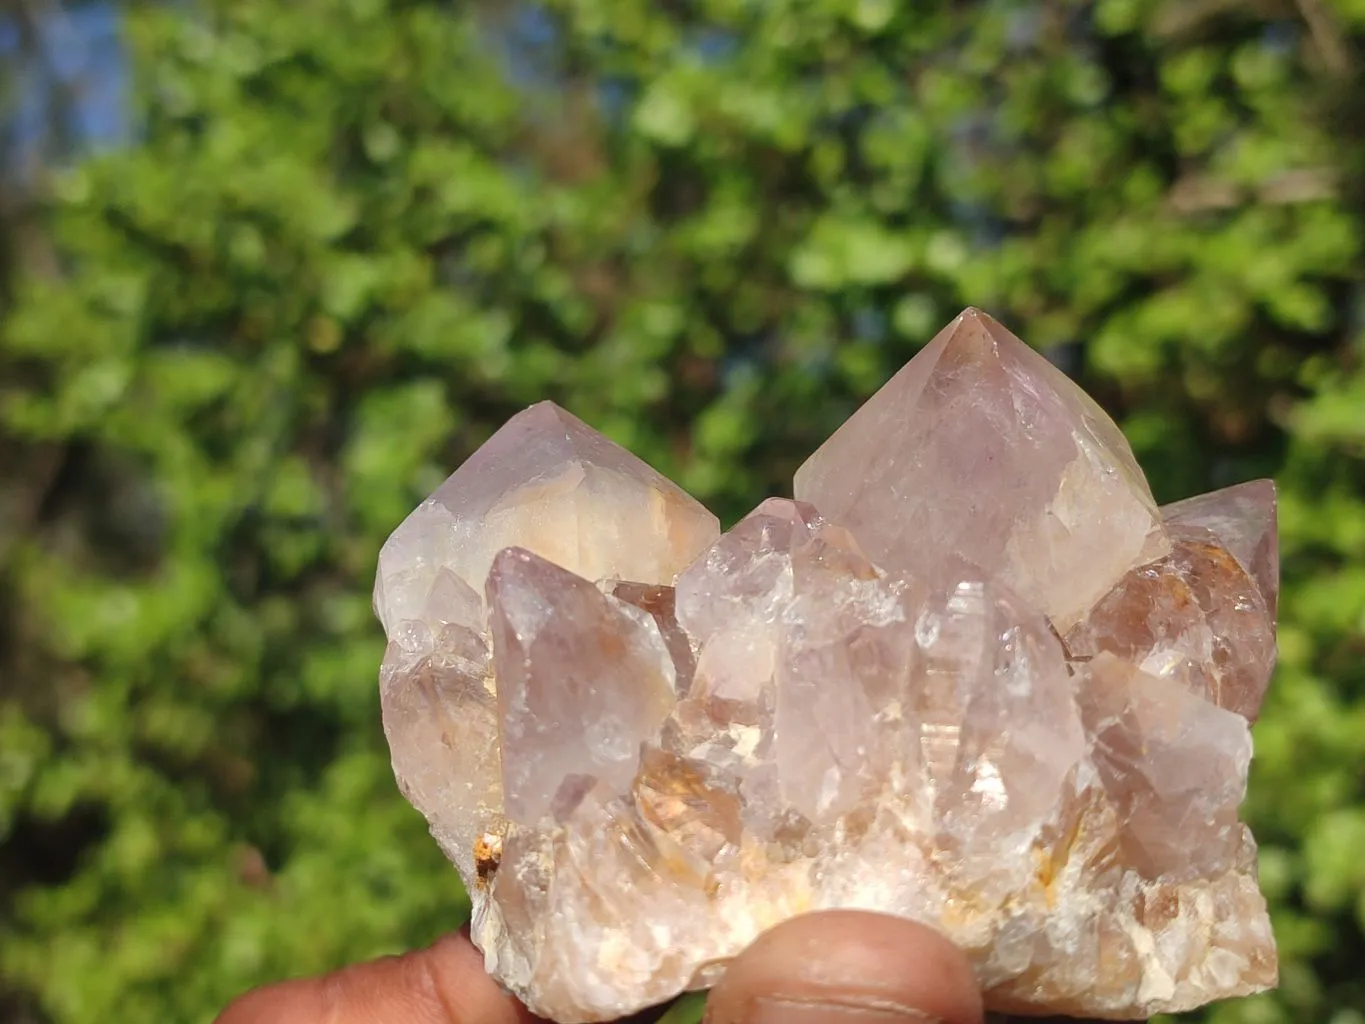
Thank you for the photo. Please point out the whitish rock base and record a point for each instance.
(973, 676)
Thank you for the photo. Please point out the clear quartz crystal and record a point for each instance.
(974, 677)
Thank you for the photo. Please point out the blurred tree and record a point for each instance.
(355, 235)
(60, 96)
(60, 93)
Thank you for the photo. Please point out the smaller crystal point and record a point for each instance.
(549, 483)
(1195, 617)
(845, 652)
(1243, 518)
(981, 449)
(691, 802)
(746, 573)
(998, 729)
(583, 681)
(1174, 767)
(660, 603)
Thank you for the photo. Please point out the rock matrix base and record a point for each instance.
(972, 675)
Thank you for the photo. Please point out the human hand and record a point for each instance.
(833, 967)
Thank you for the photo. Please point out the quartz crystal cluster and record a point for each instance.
(972, 675)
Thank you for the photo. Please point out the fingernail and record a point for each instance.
(795, 1011)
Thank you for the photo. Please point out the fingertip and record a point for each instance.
(274, 1004)
(442, 984)
(848, 966)
(455, 971)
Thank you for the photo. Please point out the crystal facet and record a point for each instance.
(973, 677)
(1195, 616)
(551, 484)
(1243, 519)
(983, 448)
(583, 680)
(1174, 768)
(441, 720)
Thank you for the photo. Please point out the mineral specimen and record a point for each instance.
(973, 676)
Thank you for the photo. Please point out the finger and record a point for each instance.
(847, 967)
(443, 984)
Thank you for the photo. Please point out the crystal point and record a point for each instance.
(999, 730)
(1195, 616)
(973, 677)
(582, 682)
(1243, 519)
(846, 645)
(551, 484)
(983, 448)
(1174, 767)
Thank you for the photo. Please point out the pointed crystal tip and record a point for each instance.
(551, 484)
(1244, 518)
(982, 449)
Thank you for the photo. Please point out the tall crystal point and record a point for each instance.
(982, 448)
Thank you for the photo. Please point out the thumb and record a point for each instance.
(847, 967)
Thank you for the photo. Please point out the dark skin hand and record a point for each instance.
(834, 967)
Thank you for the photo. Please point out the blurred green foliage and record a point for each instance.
(355, 235)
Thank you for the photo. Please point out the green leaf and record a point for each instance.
(687, 1009)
